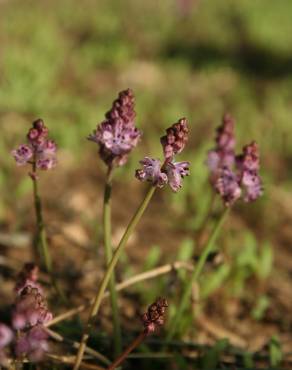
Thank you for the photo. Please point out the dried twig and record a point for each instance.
(70, 361)
(59, 338)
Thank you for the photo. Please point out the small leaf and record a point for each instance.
(275, 352)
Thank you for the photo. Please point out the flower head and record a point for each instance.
(223, 154)
(29, 315)
(152, 172)
(117, 134)
(249, 160)
(248, 164)
(234, 176)
(175, 139)
(176, 171)
(30, 309)
(227, 186)
(39, 151)
(154, 316)
(170, 172)
(33, 344)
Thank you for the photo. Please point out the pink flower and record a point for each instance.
(22, 154)
(176, 171)
(152, 172)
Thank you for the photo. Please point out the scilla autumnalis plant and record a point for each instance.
(232, 177)
(116, 137)
(40, 154)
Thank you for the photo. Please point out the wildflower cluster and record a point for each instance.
(170, 172)
(40, 151)
(29, 315)
(117, 134)
(154, 317)
(234, 176)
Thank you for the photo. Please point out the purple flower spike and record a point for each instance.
(234, 176)
(40, 151)
(152, 172)
(170, 172)
(248, 164)
(30, 305)
(154, 316)
(223, 154)
(249, 160)
(252, 184)
(117, 134)
(30, 309)
(227, 186)
(175, 139)
(176, 171)
(30, 314)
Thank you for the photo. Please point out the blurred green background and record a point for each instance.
(65, 61)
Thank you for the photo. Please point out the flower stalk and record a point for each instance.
(41, 245)
(195, 275)
(108, 273)
(136, 342)
(108, 255)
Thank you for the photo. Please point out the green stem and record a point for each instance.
(195, 275)
(109, 254)
(41, 238)
(41, 246)
(95, 307)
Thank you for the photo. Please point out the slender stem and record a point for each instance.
(41, 245)
(41, 239)
(108, 272)
(128, 350)
(108, 255)
(195, 275)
